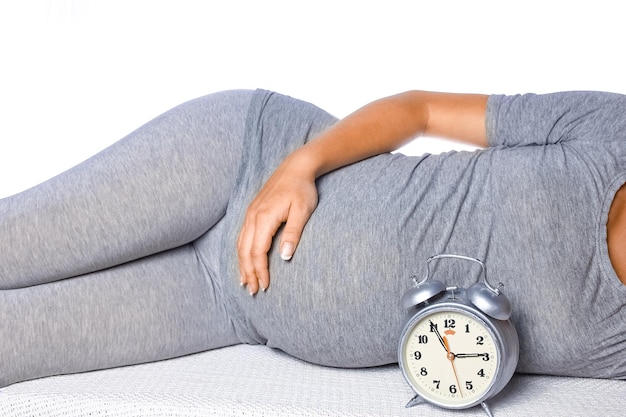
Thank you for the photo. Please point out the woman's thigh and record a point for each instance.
(154, 308)
(160, 187)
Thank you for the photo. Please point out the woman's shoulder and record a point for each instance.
(552, 118)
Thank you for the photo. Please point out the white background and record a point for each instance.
(77, 75)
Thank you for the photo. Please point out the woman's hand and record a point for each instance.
(289, 197)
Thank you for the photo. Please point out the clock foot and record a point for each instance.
(414, 401)
(486, 408)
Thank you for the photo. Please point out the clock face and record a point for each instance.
(450, 358)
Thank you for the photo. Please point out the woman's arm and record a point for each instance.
(290, 195)
(387, 124)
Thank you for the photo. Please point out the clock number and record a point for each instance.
(468, 385)
(417, 355)
(436, 383)
(422, 339)
(481, 373)
(480, 340)
(467, 328)
(433, 327)
(485, 357)
(423, 372)
(452, 389)
(449, 323)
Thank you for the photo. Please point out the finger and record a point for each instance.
(244, 243)
(265, 229)
(292, 232)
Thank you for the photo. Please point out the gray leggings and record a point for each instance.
(98, 266)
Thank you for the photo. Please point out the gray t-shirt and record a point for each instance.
(558, 161)
(533, 206)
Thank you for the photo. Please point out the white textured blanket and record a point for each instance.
(257, 381)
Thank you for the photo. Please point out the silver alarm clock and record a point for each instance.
(458, 347)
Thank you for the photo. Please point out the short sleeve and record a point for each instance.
(532, 119)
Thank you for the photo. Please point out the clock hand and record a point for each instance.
(444, 342)
(451, 357)
(434, 329)
(469, 355)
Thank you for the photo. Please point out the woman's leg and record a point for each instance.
(160, 187)
(154, 308)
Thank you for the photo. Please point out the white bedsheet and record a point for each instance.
(257, 381)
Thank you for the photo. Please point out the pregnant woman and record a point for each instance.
(252, 217)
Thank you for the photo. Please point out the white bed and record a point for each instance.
(256, 381)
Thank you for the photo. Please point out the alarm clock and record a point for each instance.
(457, 348)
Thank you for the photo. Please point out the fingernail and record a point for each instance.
(263, 289)
(286, 252)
